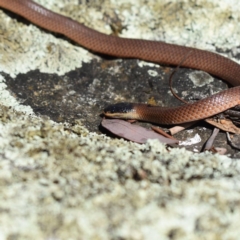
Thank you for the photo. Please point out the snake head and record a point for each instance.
(122, 110)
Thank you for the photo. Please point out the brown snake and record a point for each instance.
(158, 52)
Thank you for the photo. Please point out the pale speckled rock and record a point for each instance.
(60, 181)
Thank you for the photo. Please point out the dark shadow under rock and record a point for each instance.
(83, 93)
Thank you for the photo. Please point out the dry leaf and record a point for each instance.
(132, 132)
(224, 124)
(176, 129)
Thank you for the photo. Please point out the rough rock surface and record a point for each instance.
(60, 178)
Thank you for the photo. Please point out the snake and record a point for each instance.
(147, 50)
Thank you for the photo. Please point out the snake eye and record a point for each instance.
(119, 108)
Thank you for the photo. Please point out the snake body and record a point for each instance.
(158, 52)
